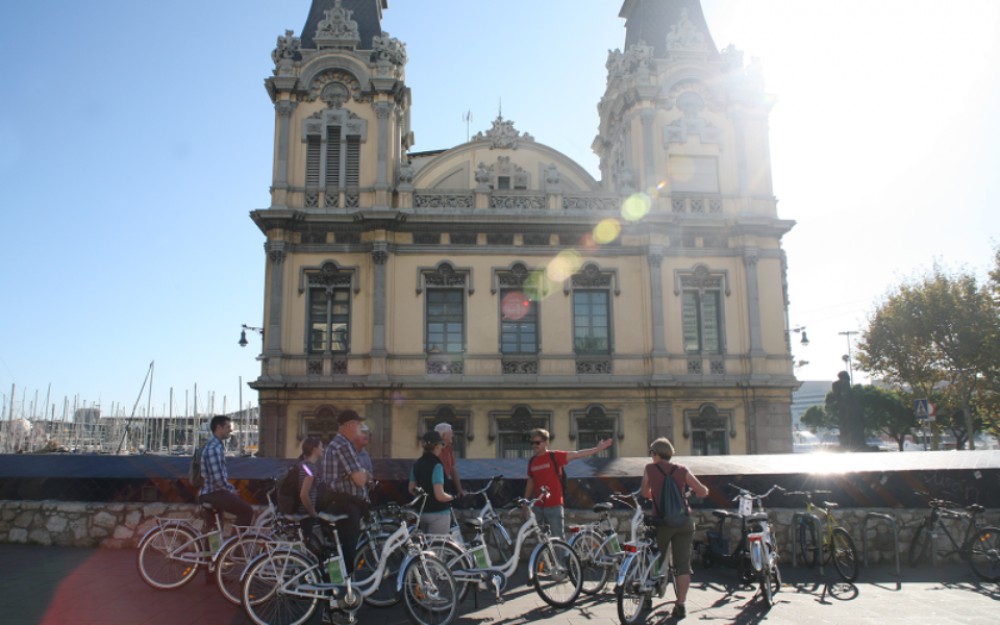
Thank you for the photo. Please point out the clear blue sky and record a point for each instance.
(135, 137)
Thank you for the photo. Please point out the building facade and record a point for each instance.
(496, 284)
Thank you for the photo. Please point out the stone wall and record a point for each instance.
(122, 525)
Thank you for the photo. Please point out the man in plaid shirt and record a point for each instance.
(217, 491)
(344, 479)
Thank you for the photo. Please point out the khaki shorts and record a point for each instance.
(679, 540)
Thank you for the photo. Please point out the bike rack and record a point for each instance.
(891, 520)
(818, 524)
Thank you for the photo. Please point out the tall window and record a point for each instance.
(592, 426)
(333, 156)
(591, 322)
(511, 431)
(702, 321)
(518, 322)
(459, 424)
(709, 431)
(329, 319)
(445, 321)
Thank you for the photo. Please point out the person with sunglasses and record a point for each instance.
(547, 468)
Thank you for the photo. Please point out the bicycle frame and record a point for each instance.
(938, 514)
(608, 537)
(200, 556)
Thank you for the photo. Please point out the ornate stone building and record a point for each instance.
(499, 286)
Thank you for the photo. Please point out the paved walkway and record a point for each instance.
(67, 586)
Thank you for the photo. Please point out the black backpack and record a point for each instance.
(561, 471)
(194, 470)
(288, 491)
(672, 510)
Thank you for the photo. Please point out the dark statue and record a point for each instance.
(852, 427)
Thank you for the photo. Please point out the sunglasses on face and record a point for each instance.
(537, 442)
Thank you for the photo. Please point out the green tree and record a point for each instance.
(816, 418)
(883, 412)
(929, 334)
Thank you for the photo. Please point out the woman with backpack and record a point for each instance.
(676, 529)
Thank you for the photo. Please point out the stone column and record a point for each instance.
(750, 257)
(655, 258)
(648, 148)
(382, 111)
(284, 108)
(276, 277)
(380, 255)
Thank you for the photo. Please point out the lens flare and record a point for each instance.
(635, 207)
(538, 286)
(563, 266)
(515, 306)
(607, 231)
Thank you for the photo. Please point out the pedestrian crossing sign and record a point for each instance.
(921, 408)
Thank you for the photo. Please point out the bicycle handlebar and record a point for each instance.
(746, 493)
(485, 488)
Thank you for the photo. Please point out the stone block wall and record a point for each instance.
(122, 525)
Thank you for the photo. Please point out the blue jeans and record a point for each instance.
(553, 516)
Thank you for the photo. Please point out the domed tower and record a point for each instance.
(685, 127)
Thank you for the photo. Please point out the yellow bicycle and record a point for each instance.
(836, 543)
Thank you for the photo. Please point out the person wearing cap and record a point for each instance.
(428, 474)
(448, 457)
(344, 481)
(546, 468)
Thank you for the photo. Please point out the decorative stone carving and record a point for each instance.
(285, 108)
(591, 277)
(519, 201)
(443, 200)
(519, 367)
(482, 175)
(685, 37)
(626, 181)
(388, 49)
(349, 86)
(445, 367)
(514, 278)
(329, 275)
(552, 176)
(732, 58)
(593, 366)
(406, 174)
(383, 109)
(380, 252)
(584, 202)
(691, 105)
(503, 135)
(286, 52)
(276, 256)
(337, 29)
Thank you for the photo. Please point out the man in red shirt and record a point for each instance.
(545, 469)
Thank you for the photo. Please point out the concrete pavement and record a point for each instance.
(71, 586)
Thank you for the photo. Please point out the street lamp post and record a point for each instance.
(847, 356)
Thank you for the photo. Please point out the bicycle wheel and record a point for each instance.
(594, 557)
(265, 600)
(770, 582)
(984, 554)
(429, 591)
(366, 564)
(556, 573)
(499, 544)
(920, 546)
(632, 602)
(455, 559)
(808, 545)
(233, 560)
(166, 557)
(844, 554)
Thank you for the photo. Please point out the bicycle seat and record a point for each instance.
(975, 508)
(725, 514)
(830, 505)
(756, 516)
(332, 518)
(475, 522)
(602, 507)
